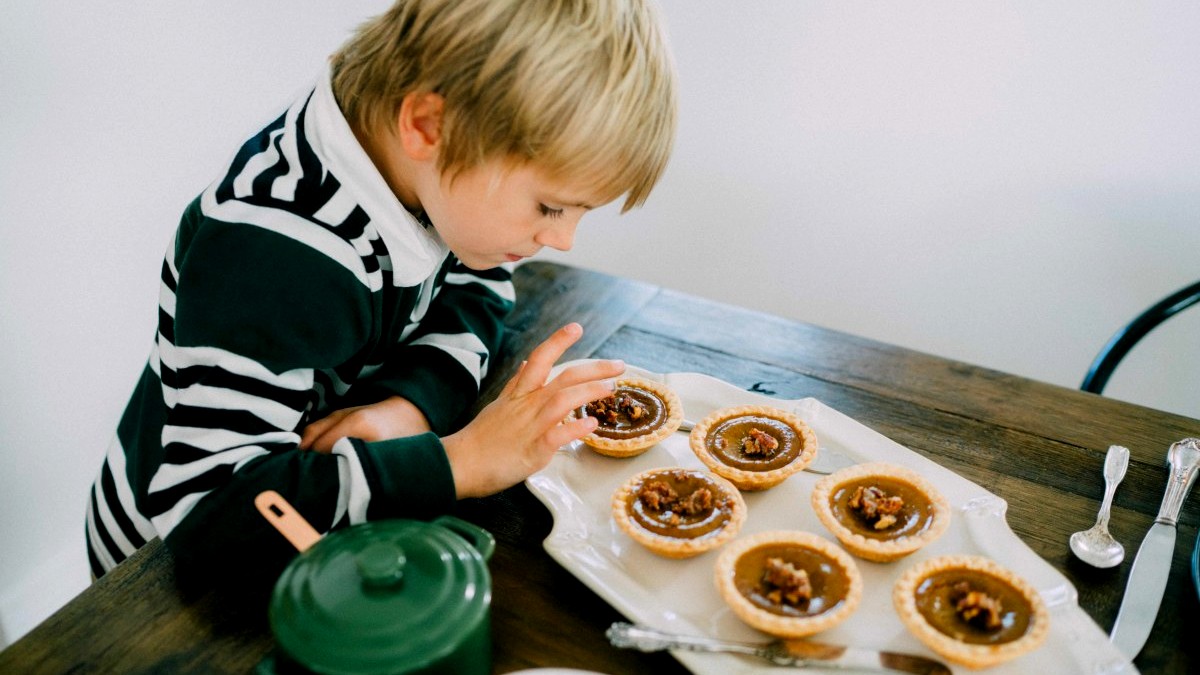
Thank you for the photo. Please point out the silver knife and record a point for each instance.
(799, 653)
(1148, 577)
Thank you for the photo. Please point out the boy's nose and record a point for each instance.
(560, 237)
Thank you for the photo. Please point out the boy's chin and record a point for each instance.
(478, 265)
(484, 264)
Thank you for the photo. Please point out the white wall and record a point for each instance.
(1004, 185)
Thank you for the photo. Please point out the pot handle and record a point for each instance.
(481, 539)
(286, 519)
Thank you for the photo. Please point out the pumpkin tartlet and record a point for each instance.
(679, 513)
(971, 610)
(639, 414)
(880, 511)
(754, 447)
(789, 584)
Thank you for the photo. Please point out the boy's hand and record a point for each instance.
(393, 417)
(516, 435)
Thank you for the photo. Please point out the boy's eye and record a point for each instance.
(549, 212)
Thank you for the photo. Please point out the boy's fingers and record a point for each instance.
(324, 442)
(586, 372)
(564, 401)
(544, 356)
(512, 381)
(313, 431)
(564, 433)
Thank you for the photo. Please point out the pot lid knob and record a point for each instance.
(381, 564)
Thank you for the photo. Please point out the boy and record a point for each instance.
(329, 305)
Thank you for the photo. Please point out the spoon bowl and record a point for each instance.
(1095, 546)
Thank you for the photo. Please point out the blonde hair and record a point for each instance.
(584, 89)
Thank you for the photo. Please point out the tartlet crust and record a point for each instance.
(631, 447)
(677, 547)
(754, 480)
(775, 624)
(973, 656)
(880, 550)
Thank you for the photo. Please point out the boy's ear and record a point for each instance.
(420, 124)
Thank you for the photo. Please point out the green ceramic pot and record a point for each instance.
(393, 596)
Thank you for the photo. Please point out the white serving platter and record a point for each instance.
(679, 595)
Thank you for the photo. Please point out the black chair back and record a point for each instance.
(1119, 345)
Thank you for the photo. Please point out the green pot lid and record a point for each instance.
(383, 597)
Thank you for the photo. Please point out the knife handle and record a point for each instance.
(1184, 458)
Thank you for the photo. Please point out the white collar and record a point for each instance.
(416, 252)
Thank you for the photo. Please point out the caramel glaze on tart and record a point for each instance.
(755, 447)
(639, 414)
(971, 610)
(788, 584)
(679, 513)
(880, 511)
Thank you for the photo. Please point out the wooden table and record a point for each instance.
(1038, 446)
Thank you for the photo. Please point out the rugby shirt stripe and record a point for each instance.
(243, 185)
(245, 422)
(338, 209)
(284, 187)
(466, 348)
(93, 560)
(103, 544)
(176, 489)
(182, 358)
(293, 226)
(355, 493)
(242, 385)
(278, 414)
(115, 462)
(254, 146)
(171, 475)
(501, 288)
(109, 492)
(216, 440)
(167, 276)
(109, 526)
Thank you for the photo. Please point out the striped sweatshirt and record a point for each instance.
(295, 285)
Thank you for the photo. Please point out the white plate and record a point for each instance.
(679, 595)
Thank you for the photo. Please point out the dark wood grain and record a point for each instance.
(1038, 446)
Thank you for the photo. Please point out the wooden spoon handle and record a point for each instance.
(286, 519)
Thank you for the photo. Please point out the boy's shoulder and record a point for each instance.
(303, 179)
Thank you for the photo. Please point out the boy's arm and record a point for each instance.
(249, 318)
(440, 365)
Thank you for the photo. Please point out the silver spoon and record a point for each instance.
(1096, 546)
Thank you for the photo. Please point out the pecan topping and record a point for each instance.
(760, 443)
(696, 503)
(875, 505)
(787, 583)
(607, 409)
(976, 607)
(657, 495)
